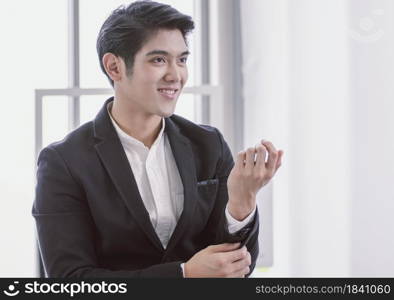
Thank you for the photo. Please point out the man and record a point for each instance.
(140, 192)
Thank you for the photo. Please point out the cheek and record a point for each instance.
(146, 74)
(185, 75)
(154, 75)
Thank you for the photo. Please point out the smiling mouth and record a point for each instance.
(168, 93)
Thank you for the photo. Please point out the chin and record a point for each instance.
(166, 114)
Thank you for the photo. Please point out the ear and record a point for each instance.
(113, 66)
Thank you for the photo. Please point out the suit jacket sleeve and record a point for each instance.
(65, 227)
(217, 227)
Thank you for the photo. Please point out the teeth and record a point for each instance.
(169, 92)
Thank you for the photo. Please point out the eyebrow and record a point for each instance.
(163, 52)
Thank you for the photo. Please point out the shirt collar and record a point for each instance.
(125, 138)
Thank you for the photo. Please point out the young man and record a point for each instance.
(140, 192)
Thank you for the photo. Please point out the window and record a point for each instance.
(34, 51)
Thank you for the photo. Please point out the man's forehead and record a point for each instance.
(170, 41)
(167, 52)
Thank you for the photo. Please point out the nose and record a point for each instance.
(173, 73)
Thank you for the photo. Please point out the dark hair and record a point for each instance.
(127, 29)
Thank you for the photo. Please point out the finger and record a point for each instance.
(272, 156)
(239, 265)
(224, 247)
(260, 156)
(279, 161)
(241, 156)
(245, 271)
(249, 160)
(240, 273)
(235, 255)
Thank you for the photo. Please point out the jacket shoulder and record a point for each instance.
(79, 138)
(204, 139)
(195, 131)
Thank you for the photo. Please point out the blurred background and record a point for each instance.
(315, 77)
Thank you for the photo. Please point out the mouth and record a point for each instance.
(169, 93)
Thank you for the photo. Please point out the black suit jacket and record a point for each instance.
(91, 220)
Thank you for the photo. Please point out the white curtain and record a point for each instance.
(317, 83)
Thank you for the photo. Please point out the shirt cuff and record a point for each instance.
(235, 225)
(183, 269)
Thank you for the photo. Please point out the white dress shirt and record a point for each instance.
(159, 182)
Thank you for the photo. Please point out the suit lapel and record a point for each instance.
(185, 162)
(111, 153)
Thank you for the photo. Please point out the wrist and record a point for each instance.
(240, 212)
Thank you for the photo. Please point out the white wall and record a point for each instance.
(265, 79)
(371, 30)
(319, 130)
(318, 82)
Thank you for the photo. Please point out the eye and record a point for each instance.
(183, 60)
(159, 60)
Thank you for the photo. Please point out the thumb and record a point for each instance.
(225, 247)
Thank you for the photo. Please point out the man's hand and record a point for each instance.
(223, 260)
(249, 175)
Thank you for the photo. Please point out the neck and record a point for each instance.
(139, 125)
